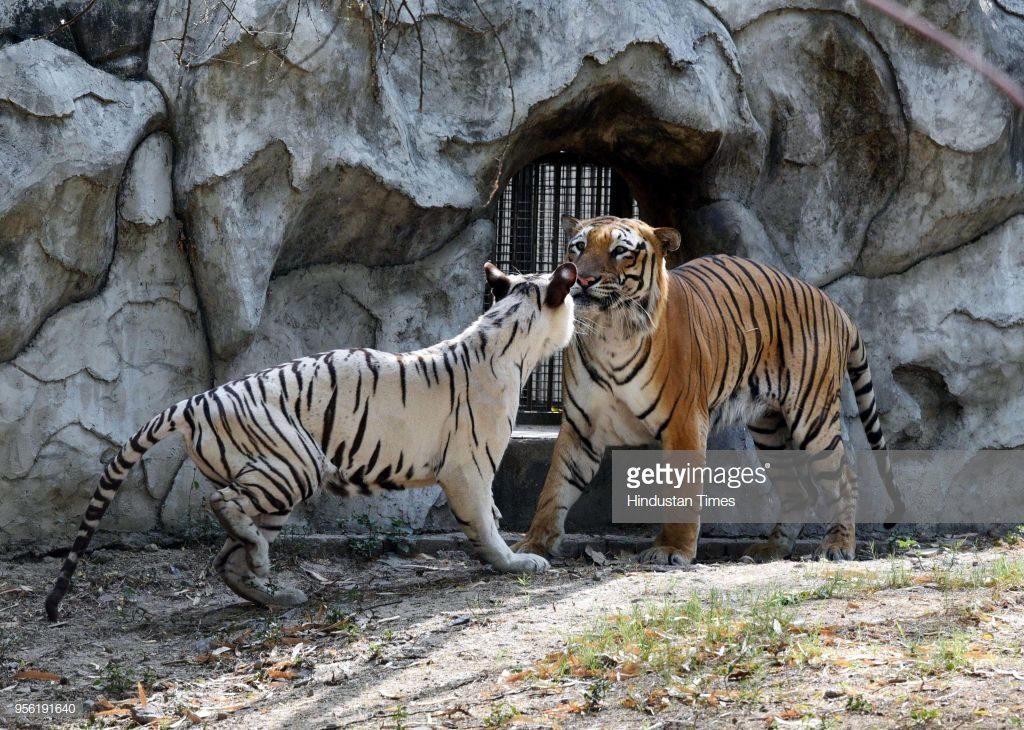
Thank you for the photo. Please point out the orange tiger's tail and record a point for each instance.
(161, 426)
(864, 390)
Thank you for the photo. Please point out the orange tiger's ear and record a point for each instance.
(499, 283)
(669, 237)
(570, 225)
(561, 282)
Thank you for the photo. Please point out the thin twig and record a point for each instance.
(67, 23)
(996, 76)
(512, 91)
(419, 38)
(184, 32)
(248, 32)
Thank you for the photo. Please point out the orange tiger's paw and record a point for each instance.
(664, 555)
(768, 551)
(836, 547)
(537, 547)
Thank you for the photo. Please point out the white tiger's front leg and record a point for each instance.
(472, 505)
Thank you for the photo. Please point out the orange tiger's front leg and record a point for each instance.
(676, 544)
(575, 460)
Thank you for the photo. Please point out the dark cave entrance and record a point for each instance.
(605, 153)
(530, 240)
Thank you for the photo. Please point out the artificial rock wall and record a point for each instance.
(191, 194)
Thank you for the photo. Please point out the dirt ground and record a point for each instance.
(930, 639)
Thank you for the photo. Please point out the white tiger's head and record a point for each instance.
(539, 304)
(619, 261)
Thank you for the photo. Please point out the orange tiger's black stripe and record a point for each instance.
(671, 355)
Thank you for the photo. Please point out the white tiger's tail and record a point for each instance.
(161, 426)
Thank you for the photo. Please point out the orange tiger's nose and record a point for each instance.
(585, 281)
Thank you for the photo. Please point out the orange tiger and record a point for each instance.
(669, 356)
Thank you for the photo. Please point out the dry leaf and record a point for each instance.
(313, 574)
(28, 675)
(146, 714)
(596, 556)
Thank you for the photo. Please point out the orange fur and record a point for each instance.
(669, 355)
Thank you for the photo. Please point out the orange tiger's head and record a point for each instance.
(619, 263)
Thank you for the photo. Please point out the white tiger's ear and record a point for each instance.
(561, 282)
(669, 237)
(499, 283)
(570, 225)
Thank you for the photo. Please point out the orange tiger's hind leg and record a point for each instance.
(836, 483)
(676, 544)
(770, 436)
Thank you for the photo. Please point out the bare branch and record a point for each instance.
(251, 34)
(67, 23)
(419, 38)
(996, 76)
(184, 32)
(512, 91)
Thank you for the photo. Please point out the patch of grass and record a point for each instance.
(115, 679)
(593, 698)
(858, 705)
(149, 677)
(853, 583)
(1012, 537)
(902, 543)
(1002, 573)
(396, 535)
(399, 715)
(501, 714)
(947, 655)
(924, 715)
(734, 637)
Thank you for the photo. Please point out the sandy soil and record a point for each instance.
(441, 641)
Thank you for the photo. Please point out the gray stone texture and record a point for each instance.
(192, 193)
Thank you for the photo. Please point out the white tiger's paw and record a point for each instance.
(286, 597)
(268, 594)
(663, 555)
(525, 563)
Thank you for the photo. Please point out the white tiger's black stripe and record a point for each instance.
(357, 422)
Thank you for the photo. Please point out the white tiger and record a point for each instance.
(358, 422)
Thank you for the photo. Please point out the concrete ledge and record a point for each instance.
(708, 550)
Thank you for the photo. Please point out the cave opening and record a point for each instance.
(604, 153)
(529, 239)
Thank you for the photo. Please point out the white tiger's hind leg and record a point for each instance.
(472, 505)
(244, 561)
